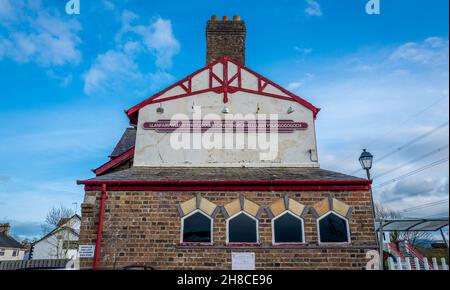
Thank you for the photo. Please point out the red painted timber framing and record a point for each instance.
(238, 185)
(224, 87)
(115, 162)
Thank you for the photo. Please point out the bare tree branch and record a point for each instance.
(55, 215)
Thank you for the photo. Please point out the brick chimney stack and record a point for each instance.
(225, 37)
(4, 228)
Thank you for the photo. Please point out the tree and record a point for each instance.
(60, 242)
(54, 216)
(385, 213)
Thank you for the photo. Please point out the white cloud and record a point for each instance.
(433, 50)
(300, 83)
(313, 8)
(158, 37)
(117, 70)
(35, 34)
(375, 99)
(302, 50)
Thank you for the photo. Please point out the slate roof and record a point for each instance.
(9, 242)
(224, 174)
(126, 142)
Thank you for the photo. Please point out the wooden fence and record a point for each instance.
(407, 264)
(33, 264)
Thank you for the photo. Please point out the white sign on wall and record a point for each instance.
(86, 251)
(242, 261)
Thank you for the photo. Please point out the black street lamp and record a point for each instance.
(366, 160)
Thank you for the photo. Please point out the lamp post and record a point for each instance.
(366, 160)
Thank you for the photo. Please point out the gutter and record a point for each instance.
(225, 182)
(229, 185)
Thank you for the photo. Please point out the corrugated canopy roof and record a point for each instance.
(413, 225)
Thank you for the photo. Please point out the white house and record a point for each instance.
(10, 249)
(61, 243)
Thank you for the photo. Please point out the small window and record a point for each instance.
(196, 228)
(333, 228)
(15, 253)
(287, 228)
(2, 252)
(242, 228)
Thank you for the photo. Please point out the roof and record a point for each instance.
(115, 162)
(61, 226)
(66, 219)
(228, 86)
(225, 173)
(413, 224)
(126, 142)
(227, 178)
(57, 230)
(7, 241)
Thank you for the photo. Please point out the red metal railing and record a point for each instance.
(416, 253)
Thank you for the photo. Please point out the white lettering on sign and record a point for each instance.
(86, 251)
(242, 261)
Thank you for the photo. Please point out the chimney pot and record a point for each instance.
(225, 18)
(236, 18)
(215, 18)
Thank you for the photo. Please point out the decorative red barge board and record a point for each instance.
(115, 162)
(235, 185)
(223, 86)
(225, 126)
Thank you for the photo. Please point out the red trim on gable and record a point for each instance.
(224, 87)
(115, 162)
(231, 185)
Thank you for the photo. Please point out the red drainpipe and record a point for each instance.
(100, 226)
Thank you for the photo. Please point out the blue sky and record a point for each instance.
(381, 80)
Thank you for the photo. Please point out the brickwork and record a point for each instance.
(225, 38)
(143, 227)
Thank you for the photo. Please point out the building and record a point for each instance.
(60, 243)
(173, 197)
(10, 249)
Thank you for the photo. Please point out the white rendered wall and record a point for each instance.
(8, 256)
(154, 149)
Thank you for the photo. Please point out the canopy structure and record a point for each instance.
(408, 225)
(412, 225)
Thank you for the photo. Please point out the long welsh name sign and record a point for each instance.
(225, 126)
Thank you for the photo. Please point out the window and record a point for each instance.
(287, 228)
(333, 228)
(15, 253)
(2, 252)
(196, 228)
(242, 228)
